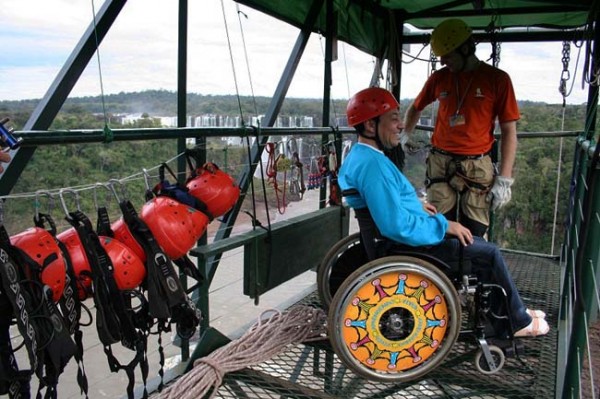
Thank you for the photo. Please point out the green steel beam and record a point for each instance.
(55, 137)
(59, 90)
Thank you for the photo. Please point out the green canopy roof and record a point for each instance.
(365, 23)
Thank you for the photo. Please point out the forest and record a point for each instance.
(526, 223)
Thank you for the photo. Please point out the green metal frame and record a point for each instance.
(271, 257)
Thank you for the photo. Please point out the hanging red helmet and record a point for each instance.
(176, 227)
(79, 262)
(42, 248)
(123, 234)
(129, 270)
(214, 188)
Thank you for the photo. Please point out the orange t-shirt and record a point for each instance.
(483, 95)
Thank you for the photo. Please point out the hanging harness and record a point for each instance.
(167, 299)
(116, 320)
(278, 162)
(457, 160)
(297, 187)
(46, 337)
(69, 302)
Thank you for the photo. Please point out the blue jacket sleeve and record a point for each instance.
(393, 203)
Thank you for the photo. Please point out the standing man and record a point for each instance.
(462, 181)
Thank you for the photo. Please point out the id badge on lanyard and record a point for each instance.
(457, 120)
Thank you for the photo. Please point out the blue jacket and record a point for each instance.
(390, 197)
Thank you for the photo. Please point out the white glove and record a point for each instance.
(500, 193)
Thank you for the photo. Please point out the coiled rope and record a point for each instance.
(268, 337)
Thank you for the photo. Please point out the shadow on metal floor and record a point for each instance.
(313, 371)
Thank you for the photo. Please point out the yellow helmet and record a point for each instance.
(448, 36)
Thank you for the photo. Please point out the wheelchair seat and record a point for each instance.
(394, 311)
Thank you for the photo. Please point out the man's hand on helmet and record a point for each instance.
(500, 193)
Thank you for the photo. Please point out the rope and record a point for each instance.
(265, 339)
(237, 7)
(108, 134)
(237, 91)
(562, 89)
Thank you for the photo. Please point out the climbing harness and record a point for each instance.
(297, 187)
(315, 169)
(456, 160)
(69, 302)
(278, 162)
(116, 320)
(29, 301)
(332, 175)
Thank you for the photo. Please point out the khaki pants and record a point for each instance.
(469, 179)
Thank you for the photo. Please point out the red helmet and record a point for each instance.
(214, 188)
(129, 270)
(175, 226)
(368, 104)
(79, 262)
(42, 248)
(123, 234)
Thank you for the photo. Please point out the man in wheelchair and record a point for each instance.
(399, 216)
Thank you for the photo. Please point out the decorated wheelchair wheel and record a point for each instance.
(394, 319)
(346, 256)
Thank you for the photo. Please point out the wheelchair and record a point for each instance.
(394, 313)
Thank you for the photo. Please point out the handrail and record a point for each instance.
(76, 136)
(72, 136)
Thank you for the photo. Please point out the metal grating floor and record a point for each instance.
(313, 371)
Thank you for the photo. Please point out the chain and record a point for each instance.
(433, 62)
(565, 74)
(497, 49)
(493, 30)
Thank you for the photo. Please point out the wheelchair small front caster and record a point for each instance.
(491, 364)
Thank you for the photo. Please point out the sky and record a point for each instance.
(228, 53)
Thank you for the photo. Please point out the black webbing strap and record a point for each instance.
(103, 227)
(70, 306)
(166, 296)
(59, 350)
(113, 310)
(188, 268)
(129, 368)
(458, 171)
(107, 321)
(13, 382)
(40, 323)
(20, 301)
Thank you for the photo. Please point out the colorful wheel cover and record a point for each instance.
(393, 321)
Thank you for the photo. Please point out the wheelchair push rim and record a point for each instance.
(346, 256)
(394, 319)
